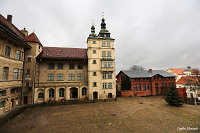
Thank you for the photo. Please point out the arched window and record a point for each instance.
(41, 95)
(51, 93)
(61, 92)
(84, 91)
(5, 73)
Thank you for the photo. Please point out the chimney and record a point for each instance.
(9, 18)
(150, 70)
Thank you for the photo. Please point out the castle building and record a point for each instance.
(31, 73)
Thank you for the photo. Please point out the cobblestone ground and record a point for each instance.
(127, 115)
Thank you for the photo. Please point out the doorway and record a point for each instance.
(25, 99)
(95, 95)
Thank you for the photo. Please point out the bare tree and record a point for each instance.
(137, 68)
(193, 81)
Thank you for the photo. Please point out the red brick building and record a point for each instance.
(146, 83)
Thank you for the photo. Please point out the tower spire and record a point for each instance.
(92, 34)
(103, 32)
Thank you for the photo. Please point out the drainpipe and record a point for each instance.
(23, 79)
(33, 95)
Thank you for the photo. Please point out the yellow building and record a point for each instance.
(12, 47)
(76, 73)
(32, 73)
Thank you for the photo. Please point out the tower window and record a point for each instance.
(94, 62)
(104, 76)
(103, 44)
(109, 54)
(94, 73)
(93, 42)
(108, 44)
(95, 84)
(94, 51)
(103, 53)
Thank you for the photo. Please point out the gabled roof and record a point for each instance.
(146, 74)
(62, 53)
(32, 38)
(178, 71)
(11, 27)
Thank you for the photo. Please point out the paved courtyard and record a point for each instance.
(133, 114)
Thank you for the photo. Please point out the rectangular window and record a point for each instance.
(105, 64)
(18, 54)
(2, 104)
(94, 62)
(109, 75)
(147, 86)
(108, 44)
(135, 87)
(60, 66)
(80, 66)
(71, 77)
(94, 74)
(5, 73)
(7, 51)
(139, 87)
(103, 53)
(109, 85)
(51, 66)
(60, 77)
(51, 77)
(109, 53)
(104, 86)
(80, 76)
(71, 66)
(94, 84)
(103, 44)
(144, 86)
(93, 42)
(94, 51)
(16, 74)
(29, 59)
(104, 75)
(109, 64)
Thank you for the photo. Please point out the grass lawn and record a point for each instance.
(127, 115)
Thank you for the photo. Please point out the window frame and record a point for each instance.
(60, 66)
(5, 73)
(61, 92)
(70, 66)
(71, 77)
(50, 77)
(18, 54)
(51, 66)
(59, 77)
(16, 74)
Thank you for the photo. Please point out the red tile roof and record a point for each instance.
(11, 27)
(178, 71)
(32, 38)
(186, 80)
(63, 53)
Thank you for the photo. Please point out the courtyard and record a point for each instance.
(126, 115)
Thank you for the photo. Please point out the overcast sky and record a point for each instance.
(157, 34)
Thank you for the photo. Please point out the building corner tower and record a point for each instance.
(101, 64)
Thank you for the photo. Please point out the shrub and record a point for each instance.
(172, 97)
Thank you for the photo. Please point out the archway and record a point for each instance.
(73, 92)
(95, 95)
